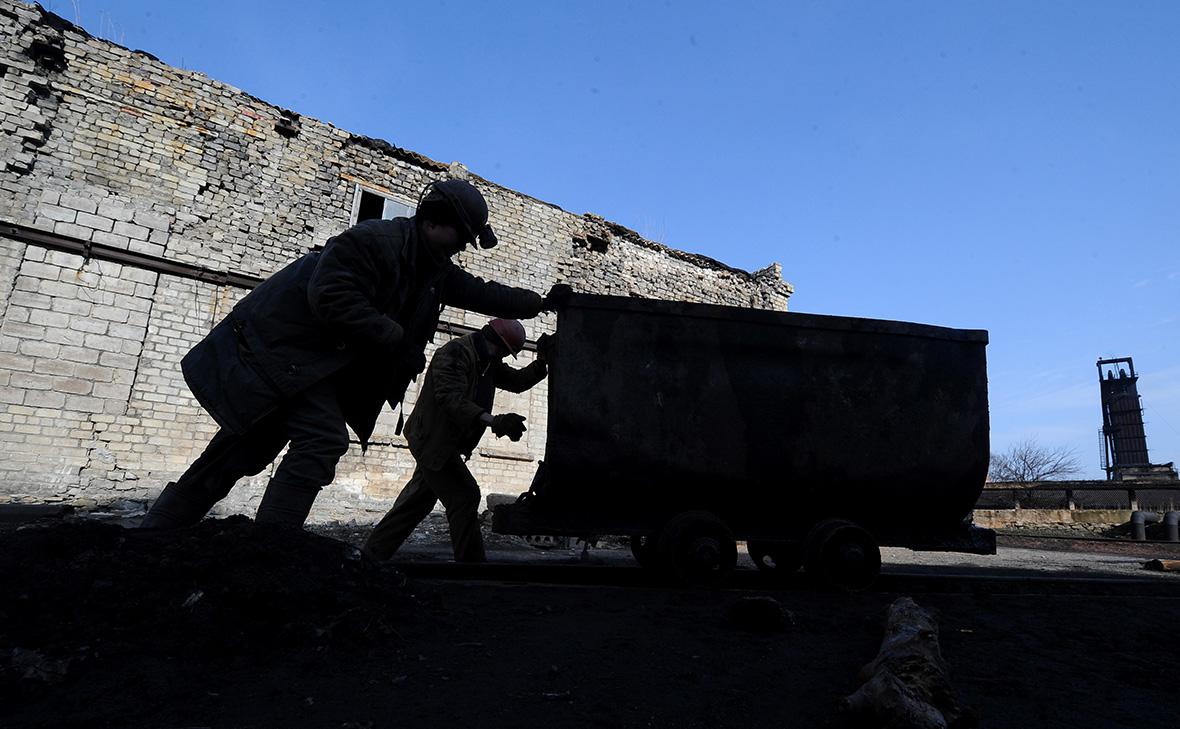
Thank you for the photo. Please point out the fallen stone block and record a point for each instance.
(907, 686)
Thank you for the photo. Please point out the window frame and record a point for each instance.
(360, 191)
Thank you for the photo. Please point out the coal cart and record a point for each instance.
(814, 439)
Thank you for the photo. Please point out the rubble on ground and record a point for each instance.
(78, 590)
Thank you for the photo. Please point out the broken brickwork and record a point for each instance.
(113, 147)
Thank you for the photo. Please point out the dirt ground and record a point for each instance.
(231, 625)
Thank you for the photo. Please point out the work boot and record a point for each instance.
(175, 507)
(285, 505)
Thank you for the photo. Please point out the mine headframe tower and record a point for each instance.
(1123, 436)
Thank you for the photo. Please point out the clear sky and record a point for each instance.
(1010, 166)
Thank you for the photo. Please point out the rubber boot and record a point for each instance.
(174, 508)
(285, 505)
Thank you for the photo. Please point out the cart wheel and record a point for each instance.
(697, 549)
(841, 554)
(643, 548)
(780, 560)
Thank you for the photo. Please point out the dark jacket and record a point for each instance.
(446, 418)
(364, 307)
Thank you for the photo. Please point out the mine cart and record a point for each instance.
(814, 439)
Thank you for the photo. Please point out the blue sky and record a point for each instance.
(1009, 166)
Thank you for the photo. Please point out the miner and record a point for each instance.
(322, 345)
(453, 410)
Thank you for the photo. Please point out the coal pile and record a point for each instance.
(81, 594)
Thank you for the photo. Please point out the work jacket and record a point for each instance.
(446, 420)
(362, 309)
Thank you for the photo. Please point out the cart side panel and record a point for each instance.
(766, 419)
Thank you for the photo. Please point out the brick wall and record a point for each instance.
(112, 146)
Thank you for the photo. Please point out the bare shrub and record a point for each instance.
(1029, 461)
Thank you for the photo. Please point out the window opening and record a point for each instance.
(369, 205)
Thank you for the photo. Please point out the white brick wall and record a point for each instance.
(124, 151)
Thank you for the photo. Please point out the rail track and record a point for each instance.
(614, 568)
(1102, 545)
(912, 579)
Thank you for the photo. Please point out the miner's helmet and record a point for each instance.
(510, 332)
(469, 209)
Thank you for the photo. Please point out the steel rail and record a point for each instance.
(930, 580)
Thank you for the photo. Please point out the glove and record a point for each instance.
(487, 238)
(545, 344)
(558, 297)
(508, 424)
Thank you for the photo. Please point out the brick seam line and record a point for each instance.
(90, 448)
(20, 262)
(142, 345)
(96, 429)
(96, 442)
(127, 105)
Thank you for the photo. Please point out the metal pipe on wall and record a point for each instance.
(1172, 526)
(1139, 522)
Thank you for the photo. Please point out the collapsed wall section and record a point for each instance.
(109, 147)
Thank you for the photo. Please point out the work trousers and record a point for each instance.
(313, 426)
(456, 488)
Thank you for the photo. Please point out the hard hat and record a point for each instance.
(511, 333)
(471, 210)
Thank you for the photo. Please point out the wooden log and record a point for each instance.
(907, 686)
(1163, 565)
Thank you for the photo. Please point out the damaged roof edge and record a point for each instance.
(396, 152)
(62, 25)
(702, 261)
(382, 146)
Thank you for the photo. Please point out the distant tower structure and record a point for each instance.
(1124, 453)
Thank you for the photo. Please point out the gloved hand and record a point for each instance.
(545, 344)
(508, 424)
(487, 238)
(558, 296)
